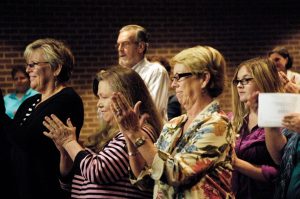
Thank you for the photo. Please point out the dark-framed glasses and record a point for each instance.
(36, 63)
(243, 81)
(178, 76)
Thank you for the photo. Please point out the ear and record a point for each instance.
(206, 78)
(141, 47)
(56, 72)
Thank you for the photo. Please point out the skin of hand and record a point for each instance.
(61, 134)
(291, 121)
(129, 119)
(290, 86)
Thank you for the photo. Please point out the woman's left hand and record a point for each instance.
(128, 118)
(291, 121)
(58, 132)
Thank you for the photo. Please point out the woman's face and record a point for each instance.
(40, 72)
(105, 93)
(279, 61)
(247, 87)
(21, 82)
(187, 88)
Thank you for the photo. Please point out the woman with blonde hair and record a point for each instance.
(191, 158)
(255, 170)
(103, 172)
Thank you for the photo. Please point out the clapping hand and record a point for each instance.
(60, 133)
(128, 118)
(290, 86)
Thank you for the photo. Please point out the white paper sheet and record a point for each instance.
(273, 106)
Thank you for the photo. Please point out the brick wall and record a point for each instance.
(240, 30)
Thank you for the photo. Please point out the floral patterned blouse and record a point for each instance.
(195, 163)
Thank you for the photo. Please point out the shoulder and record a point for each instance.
(155, 67)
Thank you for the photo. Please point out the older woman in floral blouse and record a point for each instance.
(191, 158)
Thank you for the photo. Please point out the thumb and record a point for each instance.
(69, 123)
(143, 118)
(293, 80)
(136, 108)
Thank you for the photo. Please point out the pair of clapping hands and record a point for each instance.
(128, 119)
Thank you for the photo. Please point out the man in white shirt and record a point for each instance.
(132, 45)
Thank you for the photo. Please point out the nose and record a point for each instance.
(174, 83)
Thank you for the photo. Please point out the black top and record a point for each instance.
(35, 158)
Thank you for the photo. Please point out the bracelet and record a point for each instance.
(133, 153)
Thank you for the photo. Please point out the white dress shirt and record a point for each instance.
(157, 80)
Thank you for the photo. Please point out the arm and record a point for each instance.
(258, 172)
(275, 142)
(136, 160)
(109, 165)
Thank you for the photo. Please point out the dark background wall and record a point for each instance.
(239, 29)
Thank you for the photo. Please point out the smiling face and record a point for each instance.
(41, 74)
(245, 91)
(104, 94)
(280, 61)
(130, 52)
(187, 88)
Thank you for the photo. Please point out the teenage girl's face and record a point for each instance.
(245, 91)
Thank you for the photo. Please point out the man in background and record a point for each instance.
(132, 45)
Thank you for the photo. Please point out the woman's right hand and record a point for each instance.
(58, 132)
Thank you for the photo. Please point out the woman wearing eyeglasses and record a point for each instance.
(35, 158)
(255, 170)
(191, 158)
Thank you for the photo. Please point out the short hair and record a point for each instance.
(205, 59)
(131, 85)
(19, 68)
(141, 34)
(56, 53)
(265, 75)
(281, 50)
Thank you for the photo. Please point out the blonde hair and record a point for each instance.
(204, 59)
(56, 53)
(131, 85)
(265, 75)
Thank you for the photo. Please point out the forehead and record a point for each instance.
(275, 55)
(127, 35)
(20, 74)
(104, 87)
(36, 55)
(180, 68)
(243, 71)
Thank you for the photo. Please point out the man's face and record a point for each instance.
(130, 52)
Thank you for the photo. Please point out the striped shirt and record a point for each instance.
(105, 174)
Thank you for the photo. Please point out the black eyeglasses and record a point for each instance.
(178, 76)
(243, 81)
(36, 63)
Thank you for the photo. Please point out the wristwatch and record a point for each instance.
(139, 142)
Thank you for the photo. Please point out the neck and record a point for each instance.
(198, 106)
(51, 91)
